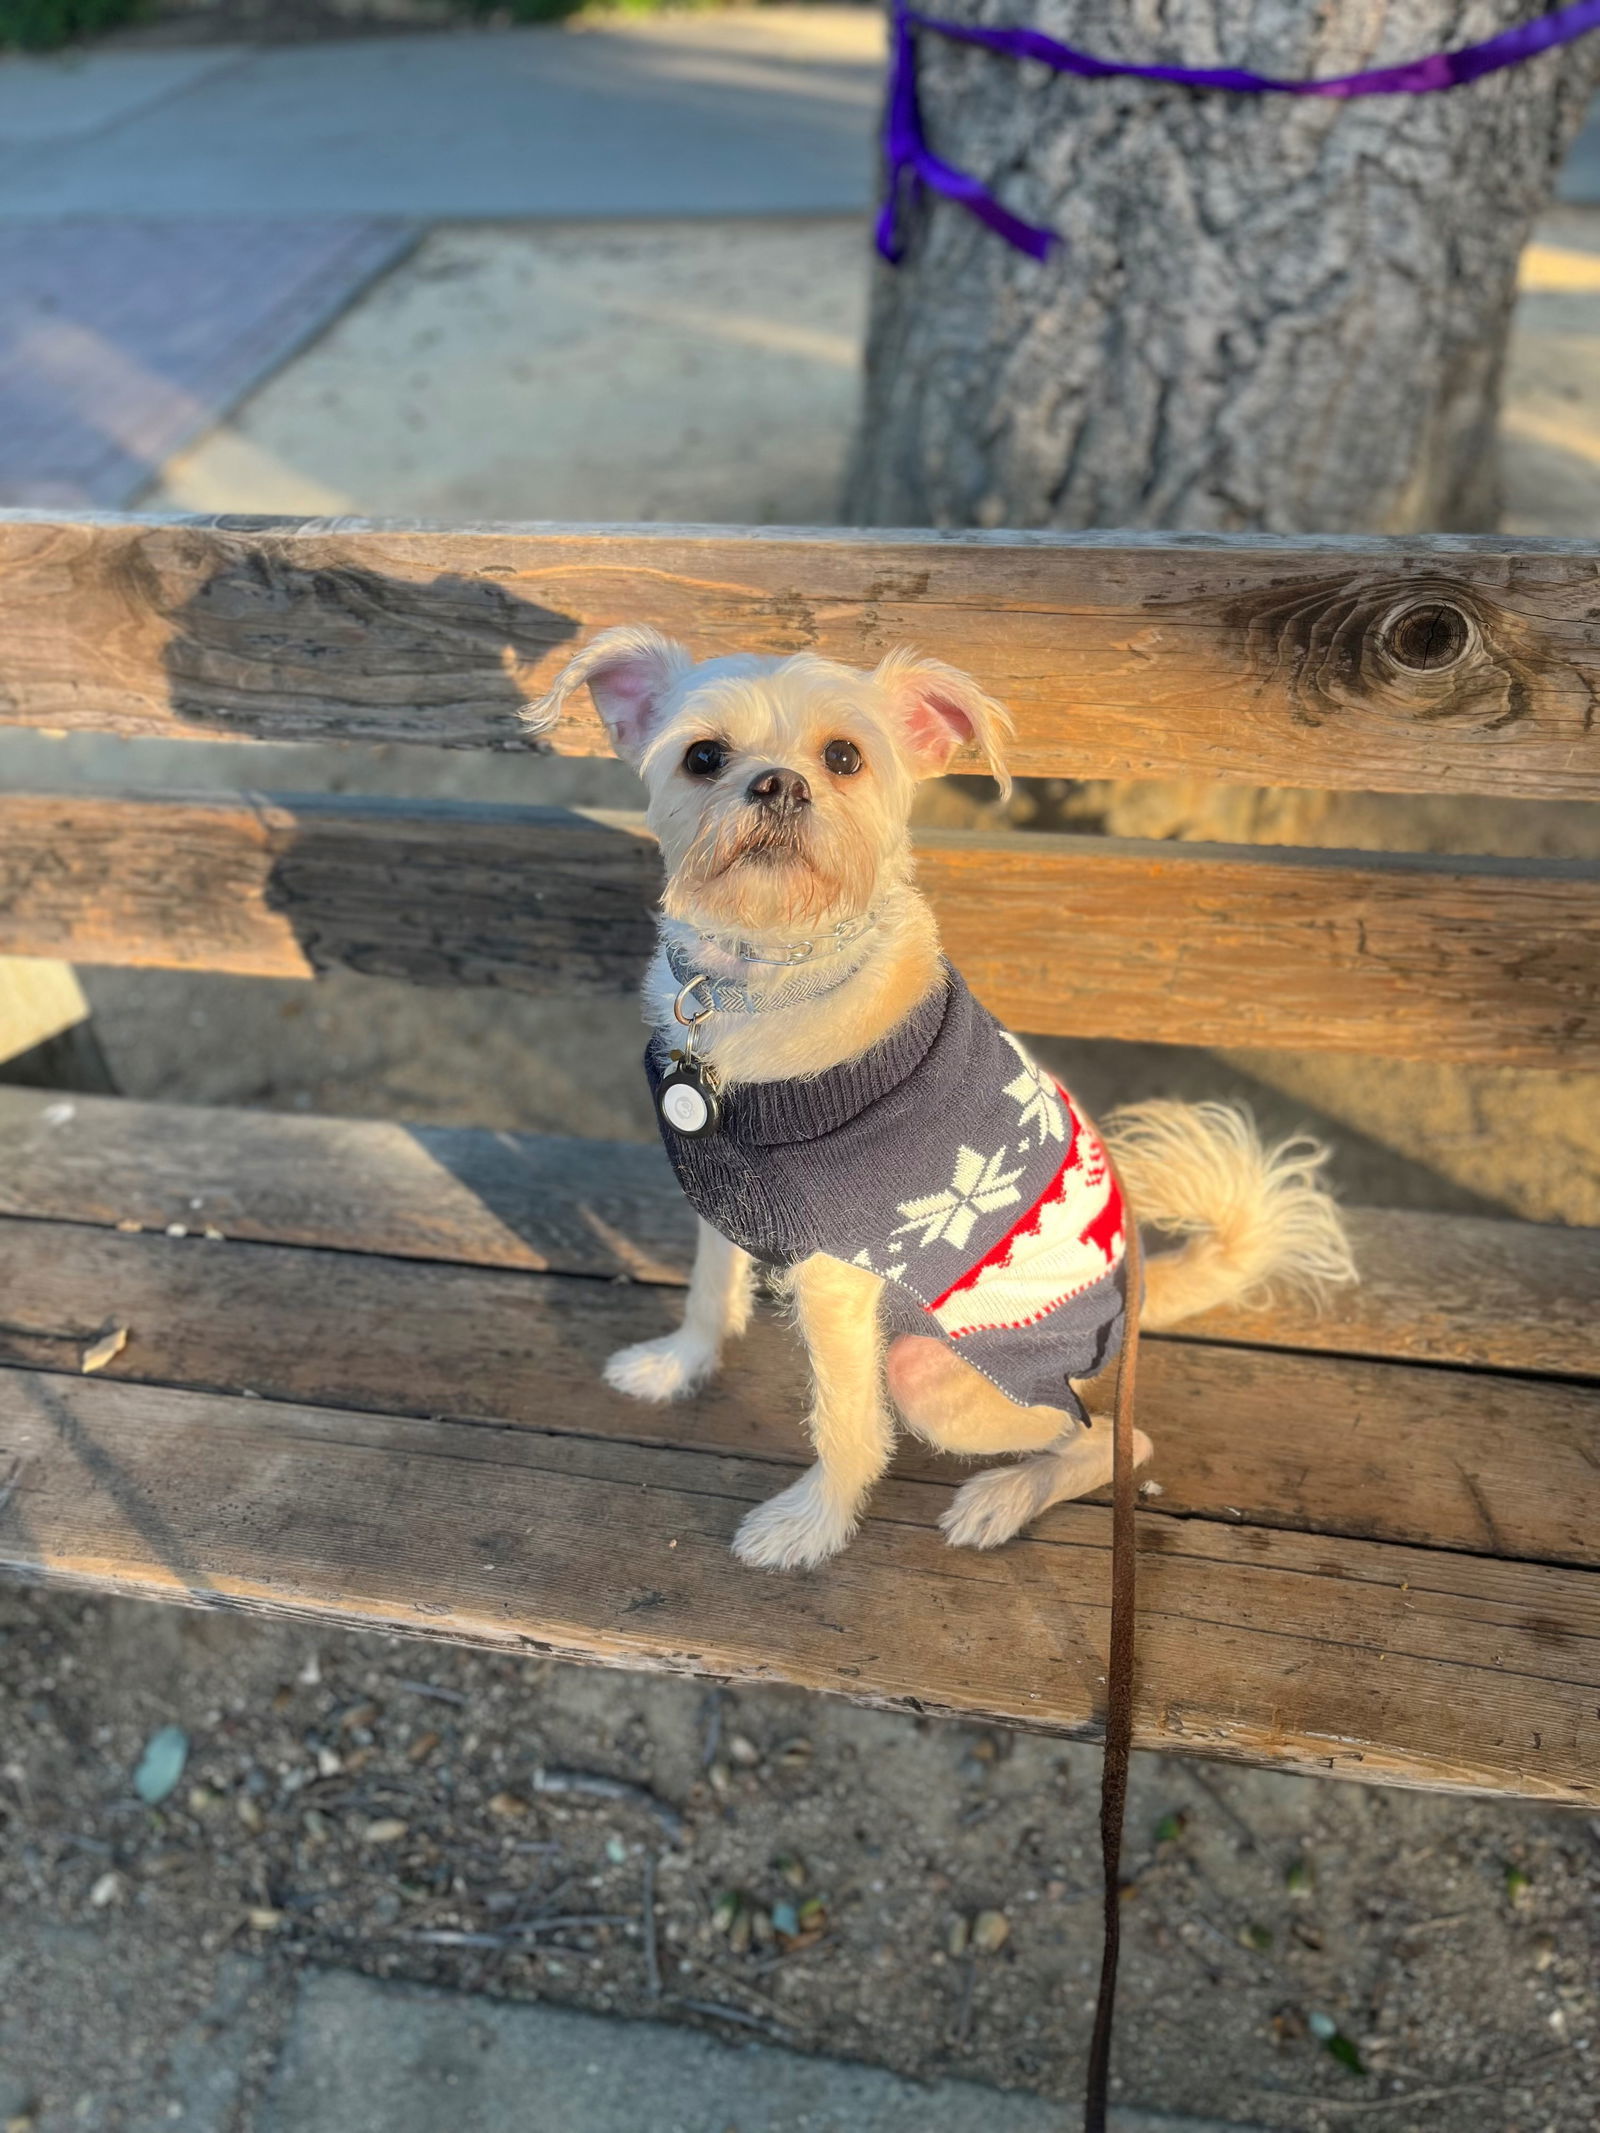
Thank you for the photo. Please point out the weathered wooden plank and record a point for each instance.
(1390, 1664)
(1445, 1289)
(1516, 1296)
(1422, 664)
(523, 1200)
(537, 899)
(1453, 959)
(1495, 1465)
(1461, 959)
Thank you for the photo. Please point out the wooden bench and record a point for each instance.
(362, 1378)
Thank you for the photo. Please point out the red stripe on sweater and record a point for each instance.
(1106, 1226)
(1000, 1250)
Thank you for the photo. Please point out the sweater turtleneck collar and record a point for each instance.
(774, 1114)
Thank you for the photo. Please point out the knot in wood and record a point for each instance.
(1428, 636)
(1378, 643)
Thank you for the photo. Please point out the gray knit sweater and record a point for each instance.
(946, 1161)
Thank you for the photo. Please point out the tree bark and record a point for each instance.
(1272, 312)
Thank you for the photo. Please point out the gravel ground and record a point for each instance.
(916, 1894)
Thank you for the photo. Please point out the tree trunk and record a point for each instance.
(1271, 312)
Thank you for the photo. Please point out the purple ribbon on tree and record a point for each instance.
(913, 165)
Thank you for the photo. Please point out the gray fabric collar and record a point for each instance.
(834, 942)
(728, 996)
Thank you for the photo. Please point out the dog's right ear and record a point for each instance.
(630, 672)
(940, 709)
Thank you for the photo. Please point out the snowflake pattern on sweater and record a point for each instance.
(948, 1162)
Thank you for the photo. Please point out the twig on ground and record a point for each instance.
(731, 1983)
(723, 2013)
(961, 2024)
(1219, 1800)
(444, 1939)
(712, 1707)
(652, 1961)
(595, 1785)
(822, 1946)
(509, 1936)
(1412, 2097)
(429, 1688)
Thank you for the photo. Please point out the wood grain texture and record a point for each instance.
(1489, 1465)
(1515, 1296)
(517, 1200)
(1445, 1289)
(439, 893)
(1392, 1664)
(1454, 959)
(1265, 661)
(1481, 960)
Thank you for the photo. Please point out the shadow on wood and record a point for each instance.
(72, 1059)
(350, 648)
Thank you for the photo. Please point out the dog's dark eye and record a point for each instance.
(843, 758)
(704, 758)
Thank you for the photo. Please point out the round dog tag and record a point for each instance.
(687, 1104)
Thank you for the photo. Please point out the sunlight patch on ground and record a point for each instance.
(667, 370)
(1557, 270)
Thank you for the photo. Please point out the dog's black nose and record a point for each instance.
(782, 789)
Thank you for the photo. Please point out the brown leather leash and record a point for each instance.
(1119, 1678)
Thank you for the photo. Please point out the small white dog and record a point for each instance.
(837, 1104)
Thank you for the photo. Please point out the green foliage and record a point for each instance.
(37, 25)
(1345, 2052)
(1334, 2041)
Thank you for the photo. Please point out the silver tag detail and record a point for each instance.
(687, 1102)
(685, 1107)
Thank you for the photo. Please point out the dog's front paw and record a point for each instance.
(665, 1369)
(794, 1531)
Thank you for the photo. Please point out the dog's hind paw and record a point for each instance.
(992, 1508)
(794, 1531)
(664, 1369)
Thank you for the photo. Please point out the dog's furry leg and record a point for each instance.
(718, 1308)
(850, 1422)
(994, 1507)
(954, 1406)
(1255, 1218)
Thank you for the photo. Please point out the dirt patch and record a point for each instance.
(378, 1804)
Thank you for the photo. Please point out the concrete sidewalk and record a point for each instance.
(243, 2044)
(363, 2057)
(759, 111)
(1580, 176)
(768, 111)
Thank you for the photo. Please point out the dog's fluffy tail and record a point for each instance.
(1254, 1217)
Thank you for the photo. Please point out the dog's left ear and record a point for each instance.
(630, 671)
(940, 709)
